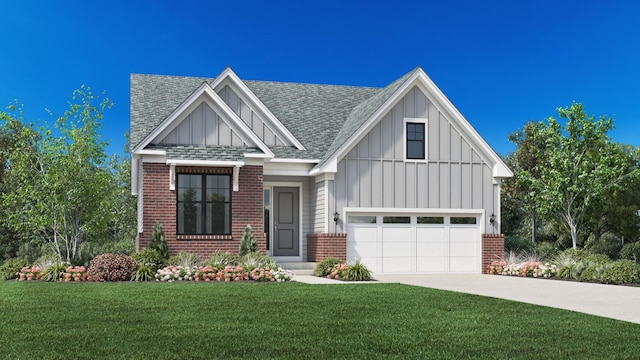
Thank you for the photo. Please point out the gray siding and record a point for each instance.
(265, 132)
(319, 207)
(375, 174)
(202, 127)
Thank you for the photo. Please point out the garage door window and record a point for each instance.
(361, 219)
(396, 220)
(430, 220)
(468, 220)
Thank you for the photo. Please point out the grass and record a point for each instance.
(292, 321)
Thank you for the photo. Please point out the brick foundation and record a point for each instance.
(492, 249)
(159, 204)
(321, 246)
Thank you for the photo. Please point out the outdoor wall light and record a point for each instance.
(336, 217)
(492, 219)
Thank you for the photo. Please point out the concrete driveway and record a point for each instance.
(616, 302)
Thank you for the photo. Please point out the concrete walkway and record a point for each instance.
(616, 302)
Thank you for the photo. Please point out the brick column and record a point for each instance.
(323, 245)
(492, 249)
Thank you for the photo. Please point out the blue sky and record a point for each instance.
(502, 63)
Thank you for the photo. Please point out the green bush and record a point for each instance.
(596, 258)
(357, 272)
(255, 260)
(11, 266)
(144, 272)
(546, 250)
(150, 258)
(46, 261)
(185, 259)
(323, 267)
(158, 241)
(569, 264)
(125, 246)
(248, 243)
(631, 251)
(111, 267)
(593, 272)
(517, 244)
(220, 259)
(622, 272)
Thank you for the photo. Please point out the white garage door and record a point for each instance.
(415, 243)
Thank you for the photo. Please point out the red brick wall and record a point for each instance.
(159, 204)
(492, 249)
(321, 246)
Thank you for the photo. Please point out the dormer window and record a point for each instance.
(415, 139)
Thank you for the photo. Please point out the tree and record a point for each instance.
(158, 241)
(61, 181)
(576, 167)
(248, 243)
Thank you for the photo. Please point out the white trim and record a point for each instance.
(150, 152)
(326, 205)
(134, 175)
(274, 184)
(256, 156)
(295, 161)
(236, 178)
(235, 80)
(210, 163)
(172, 177)
(424, 121)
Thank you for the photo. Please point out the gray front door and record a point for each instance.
(286, 223)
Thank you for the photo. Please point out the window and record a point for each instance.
(396, 220)
(430, 220)
(204, 204)
(362, 219)
(466, 220)
(415, 135)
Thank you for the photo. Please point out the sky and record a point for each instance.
(501, 63)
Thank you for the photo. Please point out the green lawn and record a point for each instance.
(293, 321)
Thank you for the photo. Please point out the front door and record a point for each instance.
(286, 222)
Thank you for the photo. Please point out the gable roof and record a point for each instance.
(325, 119)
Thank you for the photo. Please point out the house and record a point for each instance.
(393, 176)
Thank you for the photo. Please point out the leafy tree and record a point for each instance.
(61, 182)
(577, 166)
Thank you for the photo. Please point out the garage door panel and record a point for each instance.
(431, 264)
(463, 264)
(428, 234)
(462, 249)
(396, 264)
(431, 249)
(466, 234)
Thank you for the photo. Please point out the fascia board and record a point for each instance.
(207, 163)
(235, 80)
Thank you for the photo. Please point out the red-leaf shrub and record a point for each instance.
(111, 267)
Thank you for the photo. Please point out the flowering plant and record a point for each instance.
(29, 273)
(77, 273)
(497, 267)
(281, 275)
(530, 269)
(338, 271)
(172, 273)
(227, 274)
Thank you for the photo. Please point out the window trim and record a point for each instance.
(203, 203)
(426, 137)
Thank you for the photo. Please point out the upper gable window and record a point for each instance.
(415, 134)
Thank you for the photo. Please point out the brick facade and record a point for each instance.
(321, 246)
(159, 204)
(492, 249)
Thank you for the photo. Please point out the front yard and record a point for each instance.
(291, 320)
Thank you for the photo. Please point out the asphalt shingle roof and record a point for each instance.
(321, 117)
(199, 152)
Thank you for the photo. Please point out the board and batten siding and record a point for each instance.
(374, 173)
(202, 127)
(251, 118)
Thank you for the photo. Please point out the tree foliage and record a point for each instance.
(574, 167)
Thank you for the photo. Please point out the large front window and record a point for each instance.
(204, 204)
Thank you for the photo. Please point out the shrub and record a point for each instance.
(185, 260)
(111, 267)
(47, 260)
(29, 273)
(631, 251)
(144, 272)
(54, 272)
(221, 259)
(256, 259)
(570, 264)
(150, 258)
(357, 272)
(546, 250)
(125, 246)
(11, 267)
(593, 272)
(158, 241)
(517, 244)
(622, 272)
(248, 243)
(323, 267)
(77, 273)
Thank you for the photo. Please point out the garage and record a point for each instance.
(415, 243)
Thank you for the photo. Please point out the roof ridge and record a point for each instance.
(312, 84)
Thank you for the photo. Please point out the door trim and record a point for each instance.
(275, 184)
